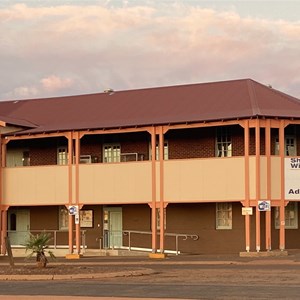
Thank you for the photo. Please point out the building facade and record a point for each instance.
(204, 168)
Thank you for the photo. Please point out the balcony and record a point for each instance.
(185, 180)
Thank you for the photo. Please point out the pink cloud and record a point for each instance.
(55, 83)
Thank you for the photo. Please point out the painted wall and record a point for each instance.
(204, 180)
(35, 185)
(115, 183)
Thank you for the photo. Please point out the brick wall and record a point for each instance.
(43, 152)
(136, 143)
(191, 143)
(237, 138)
(91, 145)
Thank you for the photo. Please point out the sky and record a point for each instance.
(61, 48)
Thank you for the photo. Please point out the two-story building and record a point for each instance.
(200, 168)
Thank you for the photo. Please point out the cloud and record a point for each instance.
(54, 83)
(46, 86)
(89, 48)
(24, 92)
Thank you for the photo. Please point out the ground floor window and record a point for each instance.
(224, 215)
(158, 219)
(63, 218)
(291, 216)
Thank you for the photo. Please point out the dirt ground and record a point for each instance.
(192, 271)
(59, 269)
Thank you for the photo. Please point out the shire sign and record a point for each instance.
(292, 178)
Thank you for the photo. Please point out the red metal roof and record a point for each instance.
(224, 100)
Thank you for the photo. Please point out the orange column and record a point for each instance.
(268, 154)
(247, 189)
(0, 229)
(77, 160)
(3, 209)
(282, 204)
(153, 204)
(70, 160)
(257, 159)
(1, 200)
(161, 185)
(4, 229)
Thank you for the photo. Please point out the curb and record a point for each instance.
(133, 273)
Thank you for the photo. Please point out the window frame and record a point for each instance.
(288, 212)
(221, 209)
(166, 151)
(286, 145)
(158, 218)
(114, 158)
(223, 146)
(63, 218)
(62, 161)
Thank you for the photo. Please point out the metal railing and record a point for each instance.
(21, 236)
(184, 237)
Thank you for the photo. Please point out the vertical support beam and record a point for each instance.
(70, 167)
(77, 160)
(3, 153)
(4, 229)
(3, 209)
(1, 239)
(282, 193)
(257, 160)
(161, 188)
(268, 155)
(1, 193)
(153, 204)
(247, 182)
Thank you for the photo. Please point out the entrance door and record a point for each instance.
(114, 214)
(18, 226)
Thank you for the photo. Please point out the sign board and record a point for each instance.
(77, 219)
(292, 178)
(247, 211)
(73, 210)
(264, 205)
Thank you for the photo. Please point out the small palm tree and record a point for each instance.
(38, 244)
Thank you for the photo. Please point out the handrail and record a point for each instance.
(54, 233)
(185, 236)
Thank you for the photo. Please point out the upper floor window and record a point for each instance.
(224, 215)
(62, 155)
(223, 142)
(289, 145)
(166, 151)
(111, 153)
(291, 216)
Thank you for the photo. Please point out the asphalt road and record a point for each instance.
(145, 290)
(185, 278)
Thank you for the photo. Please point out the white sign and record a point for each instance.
(292, 178)
(247, 211)
(264, 205)
(77, 219)
(73, 210)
